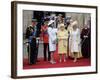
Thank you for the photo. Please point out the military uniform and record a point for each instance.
(33, 43)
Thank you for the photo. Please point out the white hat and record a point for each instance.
(50, 22)
(74, 23)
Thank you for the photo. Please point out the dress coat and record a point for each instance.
(75, 40)
(75, 43)
(62, 41)
(52, 32)
(70, 29)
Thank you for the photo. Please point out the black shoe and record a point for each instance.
(37, 61)
(48, 59)
(32, 63)
(45, 59)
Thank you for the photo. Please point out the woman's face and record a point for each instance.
(62, 28)
(71, 21)
(45, 23)
(75, 27)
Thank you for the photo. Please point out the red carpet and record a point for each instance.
(46, 64)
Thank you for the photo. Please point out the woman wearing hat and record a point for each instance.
(44, 37)
(69, 28)
(62, 36)
(75, 42)
(52, 40)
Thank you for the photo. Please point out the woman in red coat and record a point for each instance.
(44, 35)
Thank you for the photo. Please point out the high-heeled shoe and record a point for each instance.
(64, 60)
(60, 60)
(75, 60)
(52, 62)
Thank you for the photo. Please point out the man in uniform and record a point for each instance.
(31, 35)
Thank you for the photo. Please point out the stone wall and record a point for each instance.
(27, 18)
(82, 18)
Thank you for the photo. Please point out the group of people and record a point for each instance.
(70, 41)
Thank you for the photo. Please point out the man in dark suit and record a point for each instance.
(86, 42)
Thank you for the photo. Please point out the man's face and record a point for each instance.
(34, 23)
(86, 26)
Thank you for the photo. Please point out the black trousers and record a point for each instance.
(32, 52)
(33, 55)
(86, 50)
(46, 45)
(37, 47)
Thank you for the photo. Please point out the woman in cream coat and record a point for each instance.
(70, 28)
(62, 36)
(75, 42)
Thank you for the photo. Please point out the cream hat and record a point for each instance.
(62, 25)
